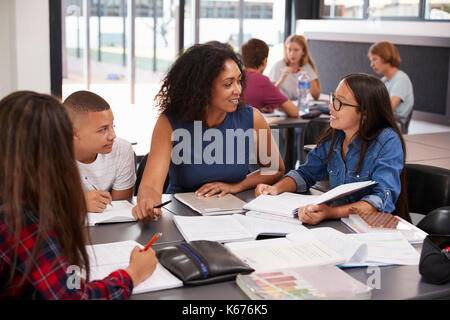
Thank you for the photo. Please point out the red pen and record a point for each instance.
(152, 240)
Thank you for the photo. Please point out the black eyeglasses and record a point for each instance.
(337, 104)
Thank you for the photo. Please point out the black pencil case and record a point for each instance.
(202, 262)
(434, 265)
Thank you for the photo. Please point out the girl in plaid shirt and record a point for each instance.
(43, 212)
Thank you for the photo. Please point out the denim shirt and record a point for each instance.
(382, 163)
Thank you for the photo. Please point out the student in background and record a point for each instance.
(43, 212)
(260, 92)
(385, 59)
(296, 59)
(200, 110)
(106, 163)
(363, 143)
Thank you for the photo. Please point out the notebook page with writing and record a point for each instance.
(267, 255)
(108, 257)
(119, 211)
(352, 249)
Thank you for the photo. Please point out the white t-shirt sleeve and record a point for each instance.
(126, 172)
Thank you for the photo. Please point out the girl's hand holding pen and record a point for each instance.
(142, 264)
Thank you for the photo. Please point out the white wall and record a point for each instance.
(25, 46)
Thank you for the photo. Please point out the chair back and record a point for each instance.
(312, 133)
(428, 187)
(139, 173)
(405, 126)
(436, 222)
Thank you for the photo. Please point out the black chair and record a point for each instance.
(405, 126)
(140, 171)
(428, 190)
(312, 133)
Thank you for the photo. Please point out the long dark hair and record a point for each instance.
(376, 114)
(186, 89)
(39, 178)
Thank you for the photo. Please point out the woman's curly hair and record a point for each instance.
(186, 89)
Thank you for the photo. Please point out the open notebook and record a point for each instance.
(213, 205)
(236, 227)
(117, 211)
(287, 203)
(108, 257)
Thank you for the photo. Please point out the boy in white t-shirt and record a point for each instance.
(106, 164)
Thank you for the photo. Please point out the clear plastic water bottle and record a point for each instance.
(303, 91)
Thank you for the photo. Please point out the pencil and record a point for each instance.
(152, 240)
(162, 204)
(95, 188)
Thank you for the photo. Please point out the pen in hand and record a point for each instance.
(162, 204)
(152, 240)
(95, 188)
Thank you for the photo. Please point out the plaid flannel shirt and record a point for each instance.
(49, 278)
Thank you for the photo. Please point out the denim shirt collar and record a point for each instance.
(354, 145)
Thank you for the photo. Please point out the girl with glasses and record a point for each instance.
(363, 143)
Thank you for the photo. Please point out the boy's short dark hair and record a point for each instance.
(254, 51)
(81, 102)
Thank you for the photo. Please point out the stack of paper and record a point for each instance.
(213, 205)
(287, 203)
(106, 258)
(369, 249)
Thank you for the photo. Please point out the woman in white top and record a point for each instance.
(296, 59)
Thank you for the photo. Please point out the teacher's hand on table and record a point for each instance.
(213, 188)
(145, 212)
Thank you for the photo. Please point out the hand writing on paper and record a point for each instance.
(313, 214)
(265, 189)
(96, 200)
(142, 264)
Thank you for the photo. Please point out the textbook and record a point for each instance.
(307, 283)
(108, 257)
(287, 203)
(117, 211)
(213, 205)
(272, 254)
(411, 233)
(229, 228)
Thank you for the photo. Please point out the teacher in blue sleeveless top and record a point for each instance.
(205, 138)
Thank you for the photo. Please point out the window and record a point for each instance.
(342, 9)
(393, 8)
(437, 10)
(385, 9)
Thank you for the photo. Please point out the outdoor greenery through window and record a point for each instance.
(385, 9)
